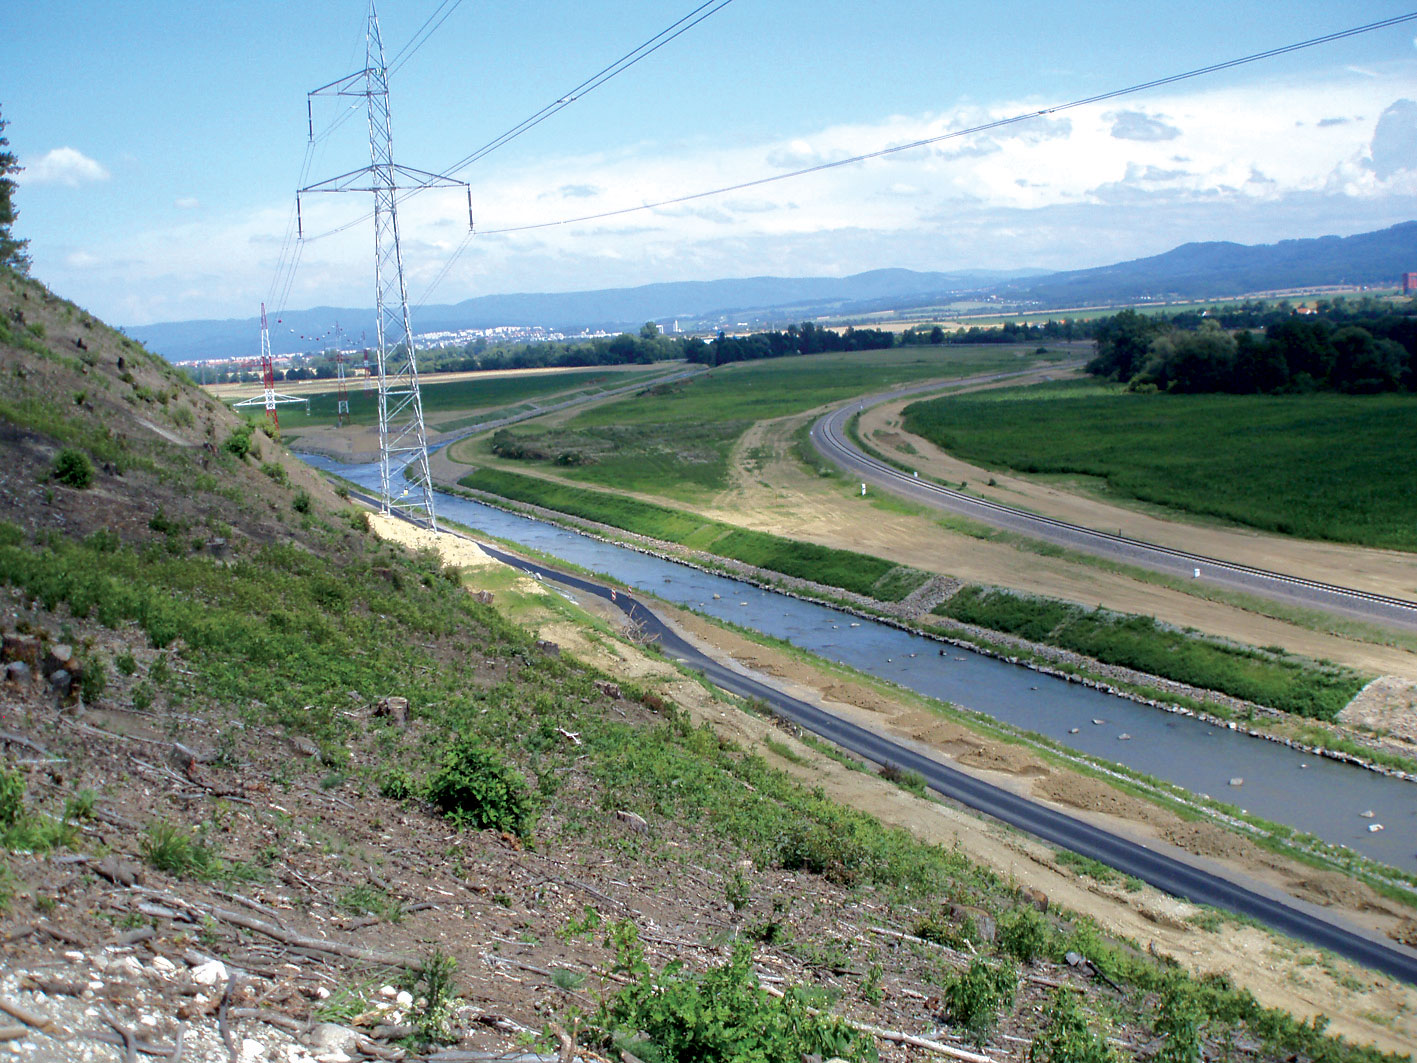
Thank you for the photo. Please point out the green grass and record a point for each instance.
(844, 569)
(1314, 466)
(1291, 684)
(675, 440)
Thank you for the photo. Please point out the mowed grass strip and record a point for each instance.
(1303, 687)
(843, 569)
(1334, 467)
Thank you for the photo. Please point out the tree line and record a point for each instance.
(1363, 349)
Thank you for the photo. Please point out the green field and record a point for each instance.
(449, 405)
(676, 440)
(1335, 467)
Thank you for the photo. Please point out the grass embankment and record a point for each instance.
(676, 440)
(1314, 466)
(1267, 677)
(844, 569)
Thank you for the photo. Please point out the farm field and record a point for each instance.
(1314, 466)
(676, 441)
(456, 401)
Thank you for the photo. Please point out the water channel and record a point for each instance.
(1322, 797)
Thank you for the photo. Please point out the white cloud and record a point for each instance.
(187, 203)
(64, 166)
(1061, 191)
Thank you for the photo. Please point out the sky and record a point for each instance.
(163, 142)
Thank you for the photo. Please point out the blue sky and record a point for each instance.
(163, 141)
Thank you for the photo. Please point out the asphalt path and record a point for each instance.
(830, 438)
(1158, 869)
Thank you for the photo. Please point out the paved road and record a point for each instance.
(830, 438)
(1165, 872)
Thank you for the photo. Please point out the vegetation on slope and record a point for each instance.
(215, 593)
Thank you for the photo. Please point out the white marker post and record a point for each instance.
(863, 490)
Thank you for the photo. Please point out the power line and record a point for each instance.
(407, 51)
(589, 85)
(982, 128)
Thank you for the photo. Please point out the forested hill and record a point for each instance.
(611, 309)
(1219, 269)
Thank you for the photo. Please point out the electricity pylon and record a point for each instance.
(403, 443)
(270, 397)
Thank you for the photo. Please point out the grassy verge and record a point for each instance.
(844, 569)
(1265, 677)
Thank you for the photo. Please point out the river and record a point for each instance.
(1322, 797)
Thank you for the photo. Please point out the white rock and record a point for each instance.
(404, 999)
(1373, 828)
(129, 965)
(322, 993)
(388, 992)
(74, 956)
(162, 965)
(148, 1020)
(94, 985)
(252, 1049)
(212, 973)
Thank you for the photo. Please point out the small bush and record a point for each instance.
(73, 468)
(276, 472)
(681, 1016)
(975, 996)
(12, 798)
(239, 443)
(1065, 1037)
(178, 852)
(397, 783)
(476, 787)
(1023, 934)
(302, 501)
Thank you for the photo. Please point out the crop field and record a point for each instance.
(676, 440)
(453, 404)
(1334, 467)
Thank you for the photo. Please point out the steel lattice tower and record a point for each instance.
(269, 396)
(403, 442)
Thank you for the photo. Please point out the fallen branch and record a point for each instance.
(29, 1018)
(336, 948)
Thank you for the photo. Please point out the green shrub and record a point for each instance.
(12, 798)
(301, 502)
(1178, 1023)
(397, 783)
(276, 472)
(723, 1015)
(1023, 934)
(975, 996)
(476, 787)
(93, 680)
(1065, 1037)
(170, 848)
(239, 443)
(821, 849)
(73, 468)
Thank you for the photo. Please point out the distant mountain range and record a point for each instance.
(1191, 271)
(1220, 269)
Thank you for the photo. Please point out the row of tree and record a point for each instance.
(1338, 351)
